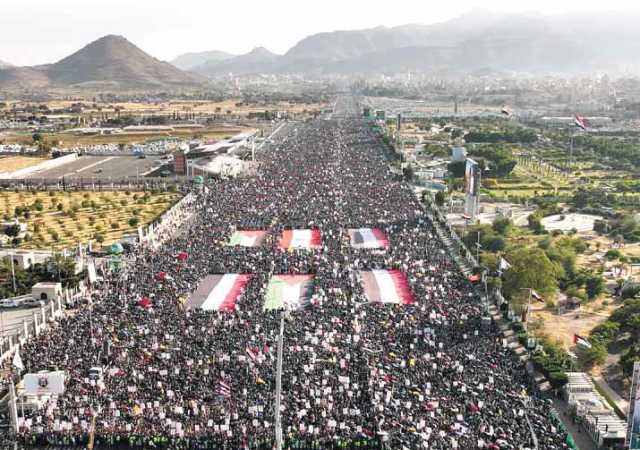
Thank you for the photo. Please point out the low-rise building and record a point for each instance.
(599, 420)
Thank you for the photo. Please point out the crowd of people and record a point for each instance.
(355, 374)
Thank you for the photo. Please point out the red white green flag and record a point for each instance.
(288, 291)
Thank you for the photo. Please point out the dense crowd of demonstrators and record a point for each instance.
(355, 374)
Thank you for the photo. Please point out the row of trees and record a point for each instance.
(511, 135)
(57, 268)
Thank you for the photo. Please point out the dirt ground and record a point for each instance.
(562, 327)
(12, 163)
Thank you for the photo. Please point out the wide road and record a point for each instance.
(101, 167)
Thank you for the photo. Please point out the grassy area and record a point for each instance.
(527, 181)
(63, 219)
(12, 163)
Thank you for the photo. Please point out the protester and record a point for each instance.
(355, 374)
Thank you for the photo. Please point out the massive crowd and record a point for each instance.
(354, 374)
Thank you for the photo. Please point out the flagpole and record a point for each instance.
(278, 424)
(571, 151)
(13, 407)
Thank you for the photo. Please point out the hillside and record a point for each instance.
(189, 61)
(110, 62)
(478, 40)
(258, 60)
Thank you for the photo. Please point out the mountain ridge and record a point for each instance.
(188, 61)
(110, 61)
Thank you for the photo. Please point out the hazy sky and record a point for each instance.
(44, 31)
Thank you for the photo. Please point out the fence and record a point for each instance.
(94, 184)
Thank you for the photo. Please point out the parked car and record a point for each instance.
(9, 303)
(33, 303)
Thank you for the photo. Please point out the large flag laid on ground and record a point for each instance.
(368, 238)
(248, 238)
(292, 239)
(386, 286)
(288, 291)
(219, 292)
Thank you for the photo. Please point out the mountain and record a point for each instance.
(258, 60)
(5, 65)
(111, 62)
(479, 41)
(189, 61)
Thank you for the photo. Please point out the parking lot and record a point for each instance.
(102, 167)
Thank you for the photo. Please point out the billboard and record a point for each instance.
(44, 383)
(633, 427)
(472, 178)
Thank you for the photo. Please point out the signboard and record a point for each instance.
(91, 271)
(380, 114)
(44, 383)
(471, 188)
(633, 427)
(472, 177)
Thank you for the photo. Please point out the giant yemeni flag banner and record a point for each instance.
(386, 286)
(219, 292)
(247, 238)
(288, 291)
(293, 239)
(368, 238)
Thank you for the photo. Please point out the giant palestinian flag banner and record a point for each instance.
(368, 238)
(247, 238)
(219, 292)
(386, 286)
(292, 239)
(288, 291)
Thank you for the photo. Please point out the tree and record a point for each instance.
(407, 172)
(439, 198)
(530, 269)
(594, 285)
(502, 225)
(12, 230)
(457, 168)
(535, 223)
(596, 355)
